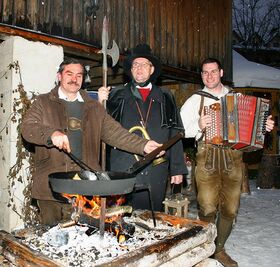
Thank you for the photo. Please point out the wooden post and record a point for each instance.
(268, 174)
(102, 216)
(245, 180)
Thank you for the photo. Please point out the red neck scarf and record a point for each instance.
(144, 93)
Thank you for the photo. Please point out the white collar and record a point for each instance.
(149, 86)
(63, 96)
(222, 93)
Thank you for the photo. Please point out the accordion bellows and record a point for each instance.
(238, 122)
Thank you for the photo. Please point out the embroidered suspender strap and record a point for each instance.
(201, 105)
(203, 93)
(200, 112)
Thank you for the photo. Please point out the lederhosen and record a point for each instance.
(218, 177)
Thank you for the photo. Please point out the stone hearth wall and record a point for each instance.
(38, 65)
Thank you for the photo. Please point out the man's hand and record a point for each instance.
(61, 141)
(177, 179)
(204, 120)
(103, 94)
(269, 125)
(151, 145)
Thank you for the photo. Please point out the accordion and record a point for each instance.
(238, 122)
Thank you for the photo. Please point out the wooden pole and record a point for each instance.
(102, 217)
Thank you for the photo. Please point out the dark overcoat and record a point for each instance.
(162, 121)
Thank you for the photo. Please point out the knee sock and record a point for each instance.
(224, 227)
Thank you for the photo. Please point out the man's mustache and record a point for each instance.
(73, 83)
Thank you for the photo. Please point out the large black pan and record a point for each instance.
(118, 182)
(62, 182)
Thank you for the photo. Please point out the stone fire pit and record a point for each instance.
(174, 242)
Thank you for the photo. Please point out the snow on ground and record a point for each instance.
(255, 239)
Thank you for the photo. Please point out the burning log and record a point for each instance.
(92, 205)
(95, 207)
(110, 212)
(120, 228)
(91, 217)
(123, 230)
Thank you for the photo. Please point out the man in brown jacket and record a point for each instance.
(68, 120)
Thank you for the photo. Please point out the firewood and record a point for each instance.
(67, 224)
(110, 212)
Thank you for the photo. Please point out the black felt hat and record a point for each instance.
(142, 50)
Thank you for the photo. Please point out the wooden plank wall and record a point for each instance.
(181, 32)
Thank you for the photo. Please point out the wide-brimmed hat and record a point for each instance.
(142, 50)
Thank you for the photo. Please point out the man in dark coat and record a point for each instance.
(141, 103)
(67, 120)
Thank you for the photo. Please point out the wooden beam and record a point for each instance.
(71, 45)
(87, 51)
(116, 80)
(97, 71)
(181, 75)
(21, 255)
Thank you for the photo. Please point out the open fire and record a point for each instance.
(104, 232)
(92, 205)
(174, 241)
(70, 184)
(88, 212)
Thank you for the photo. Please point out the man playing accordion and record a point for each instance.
(218, 172)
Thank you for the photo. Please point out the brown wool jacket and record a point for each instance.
(47, 114)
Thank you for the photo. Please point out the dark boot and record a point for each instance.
(224, 227)
(225, 259)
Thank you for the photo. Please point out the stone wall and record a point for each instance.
(38, 63)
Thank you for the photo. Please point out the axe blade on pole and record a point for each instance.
(114, 53)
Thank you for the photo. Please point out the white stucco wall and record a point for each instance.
(38, 64)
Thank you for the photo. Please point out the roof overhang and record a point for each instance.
(89, 54)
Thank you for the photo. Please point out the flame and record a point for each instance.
(91, 206)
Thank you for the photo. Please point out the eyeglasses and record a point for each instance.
(212, 72)
(137, 65)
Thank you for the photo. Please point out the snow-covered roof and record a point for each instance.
(250, 74)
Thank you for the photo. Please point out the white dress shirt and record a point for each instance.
(63, 96)
(190, 112)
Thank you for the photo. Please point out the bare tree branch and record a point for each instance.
(256, 21)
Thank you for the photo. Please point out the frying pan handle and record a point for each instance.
(151, 156)
(99, 175)
(84, 166)
(74, 158)
(165, 146)
(79, 162)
